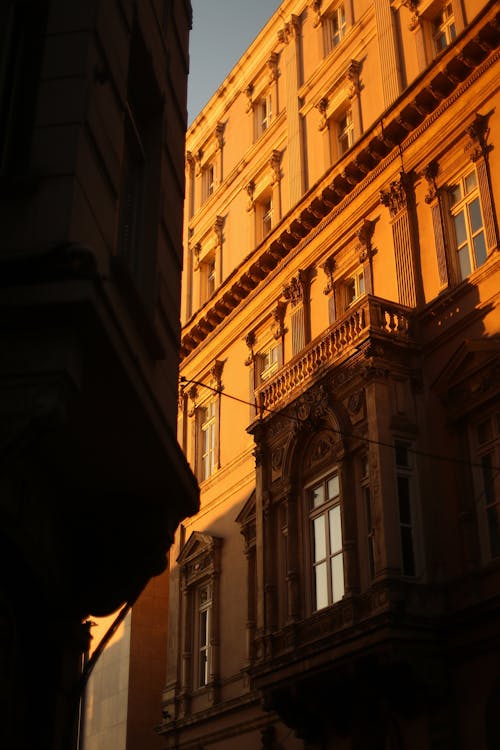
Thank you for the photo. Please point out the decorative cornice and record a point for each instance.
(296, 289)
(424, 104)
(219, 134)
(250, 341)
(322, 107)
(219, 229)
(365, 235)
(216, 374)
(250, 189)
(478, 132)
(430, 173)
(275, 164)
(395, 197)
(353, 72)
(278, 325)
(272, 64)
(328, 269)
(316, 8)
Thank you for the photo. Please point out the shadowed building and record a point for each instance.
(93, 482)
(340, 586)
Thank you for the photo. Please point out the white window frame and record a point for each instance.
(326, 554)
(469, 238)
(263, 114)
(207, 438)
(334, 27)
(203, 635)
(443, 28)
(345, 131)
(354, 287)
(208, 180)
(270, 361)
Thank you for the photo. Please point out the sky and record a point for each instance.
(222, 31)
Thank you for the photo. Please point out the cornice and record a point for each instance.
(435, 91)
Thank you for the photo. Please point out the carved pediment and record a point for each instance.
(247, 513)
(471, 376)
(198, 544)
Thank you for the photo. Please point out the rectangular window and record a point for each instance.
(208, 181)
(326, 542)
(335, 28)
(468, 226)
(263, 115)
(269, 362)
(443, 28)
(404, 492)
(267, 216)
(487, 441)
(204, 625)
(345, 132)
(366, 494)
(354, 288)
(207, 424)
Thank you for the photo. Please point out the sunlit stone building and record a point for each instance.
(92, 481)
(340, 586)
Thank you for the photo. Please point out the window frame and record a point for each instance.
(208, 176)
(334, 27)
(263, 114)
(405, 471)
(323, 510)
(206, 439)
(442, 27)
(461, 207)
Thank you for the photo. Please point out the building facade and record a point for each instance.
(93, 482)
(340, 586)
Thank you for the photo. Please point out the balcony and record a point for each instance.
(369, 318)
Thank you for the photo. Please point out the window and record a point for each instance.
(204, 596)
(345, 132)
(207, 436)
(486, 439)
(367, 503)
(354, 288)
(335, 28)
(199, 565)
(467, 220)
(404, 492)
(269, 362)
(443, 28)
(208, 276)
(326, 542)
(263, 115)
(264, 215)
(208, 181)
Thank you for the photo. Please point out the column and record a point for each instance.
(290, 36)
(398, 198)
(388, 51)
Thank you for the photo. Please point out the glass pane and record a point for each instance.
(319, 539)
(408, 558)
(335, 530)
(404, 500)
(480, 249)
(470, 182)
(321, 587)
(203, 628)
(464, 261)
(203, 669)
(460, 230)
(476, 220)
(455, 194)
(368, 506)
(337, 577)
(333, 487)
(494, 529)
(317, 496)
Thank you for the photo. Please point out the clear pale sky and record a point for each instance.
(222, 31)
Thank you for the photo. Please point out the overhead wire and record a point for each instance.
(342, 433)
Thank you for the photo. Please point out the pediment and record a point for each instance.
(247, 513)
(197, 544)
(472, 374)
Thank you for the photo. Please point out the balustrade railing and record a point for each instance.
(369, 316)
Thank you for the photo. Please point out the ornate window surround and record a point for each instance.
(199, 562)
